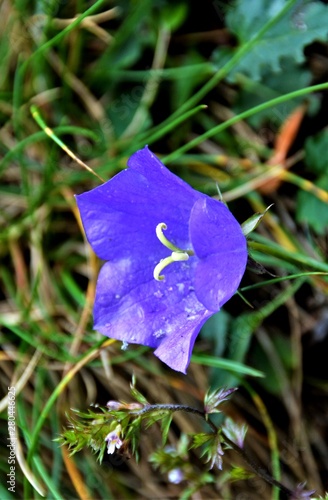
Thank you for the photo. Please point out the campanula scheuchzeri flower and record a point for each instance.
(158, 289)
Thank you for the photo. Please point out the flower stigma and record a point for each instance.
(177, 254)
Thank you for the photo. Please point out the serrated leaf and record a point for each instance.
(272, 85)
(200, 439)
(287, 38)
(238, 473)
(212, 450)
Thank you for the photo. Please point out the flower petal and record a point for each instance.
(131, 306)
(147, 164)
(220, 245)
(175, 350)
(115, 217)
(120, 216)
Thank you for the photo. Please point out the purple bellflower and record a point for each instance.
(159, 290)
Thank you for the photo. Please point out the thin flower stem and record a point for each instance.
(256, 468)
(172, 408)
(262, 473)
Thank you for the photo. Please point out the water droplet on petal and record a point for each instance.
(169, 326)
(159, 333)
(124, 346)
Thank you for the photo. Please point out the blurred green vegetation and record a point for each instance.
(228, 93)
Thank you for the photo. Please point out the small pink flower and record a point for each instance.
(113, 440)
(114, 405)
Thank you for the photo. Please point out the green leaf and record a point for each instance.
(156, 415)
(225, 364)
(308, 205)
(183, 88)
(250, 224)
(316, 148)
(311, 210)
(271, 86)
(211, 447)
(133, 434)
(215, 331)
(136, 394)
(238, 473)
(200, 439)
(287, 38)
(165, 426)
(174, 15)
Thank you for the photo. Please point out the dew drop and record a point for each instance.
(189, 310)
(159, 333)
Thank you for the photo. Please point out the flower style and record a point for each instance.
(159, 290)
